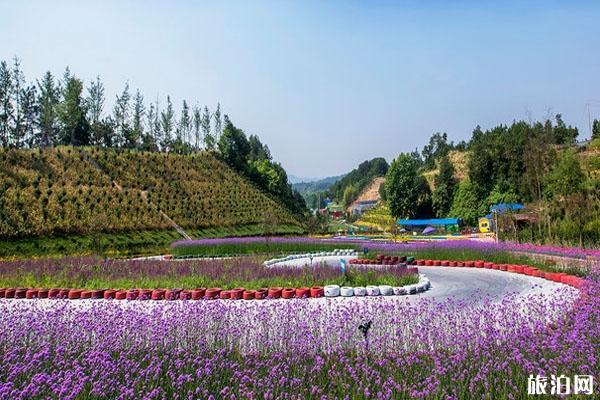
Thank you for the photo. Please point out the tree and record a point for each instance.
(17, 132)
(139, 110)
(403, 186)
(445, 184)
(566, 177)
(218, 123)
(258, 150)
(6, 107)
(166, 122)
(48, 100)
(72, 113)
(234, 147)
(30, 112)
(149, 138)
(209, 140)
(438, 147)
(95, 104)
(596, 129)
(184, 127)
(121, 115)
(197, 126)
(564, 134)
(538, 158)
(465, 204)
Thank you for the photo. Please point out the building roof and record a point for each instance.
(432, 221)
(504, 207)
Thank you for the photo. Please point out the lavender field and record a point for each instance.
(215, 350)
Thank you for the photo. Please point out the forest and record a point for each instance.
(65, 111)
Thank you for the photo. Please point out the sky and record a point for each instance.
(328, 84)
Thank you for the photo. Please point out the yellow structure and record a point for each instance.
(485, 225)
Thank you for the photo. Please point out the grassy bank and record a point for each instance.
(123, 244)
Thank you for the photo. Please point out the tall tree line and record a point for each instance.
(66, 111)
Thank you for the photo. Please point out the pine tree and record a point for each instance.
(139, 110)
(149, 140)
(75, 129)
(30, 112)
(48, 101)
(166, 122)
(218, 123)
(18, 82)
(209, 140)
(596, 129)
(6, 106)
(185, 124)
(121, 112)
(95, 105)
(197, 123)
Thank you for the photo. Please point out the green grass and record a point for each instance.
(125, 244)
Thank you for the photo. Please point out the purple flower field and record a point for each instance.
(295, 349)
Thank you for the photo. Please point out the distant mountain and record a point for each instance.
(317, 185)
(293, 179)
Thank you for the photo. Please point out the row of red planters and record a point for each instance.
(163, 294)
(560, 277)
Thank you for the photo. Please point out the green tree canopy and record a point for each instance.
(466, 205)
(403, 186)
(566, 177)
(445, 184)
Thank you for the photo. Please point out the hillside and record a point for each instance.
(347, 189)
(316, 186)
(459, 160)
(67, 190)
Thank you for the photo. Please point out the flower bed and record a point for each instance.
(220, 350)
(96, 274)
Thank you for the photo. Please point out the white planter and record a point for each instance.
(360, 291)
(372, 290)
(347, 291)
(332, 291)
(386, 290)
(400, 291)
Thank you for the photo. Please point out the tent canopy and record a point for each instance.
(504, 207)
(432, 222)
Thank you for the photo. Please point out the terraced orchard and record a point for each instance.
(81, 191)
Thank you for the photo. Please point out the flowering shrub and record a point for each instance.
(94, 273)
(295, 349)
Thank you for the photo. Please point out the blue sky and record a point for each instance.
(328, 84)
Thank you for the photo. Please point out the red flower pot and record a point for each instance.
(445, 263)
(510, 268)
(519, 269)
(536, 273)
(98, 294)
(212, 293)
(478, 264)
(75, 294)
(249, 294)
(132, 294)
(317, 291)
(198, 294)
(10, 293)
(53, 293)
(64, 293)
(20, 293)
(145, 294)
(86, 294)
(2, 293)
(469, 264)
(288, 293)
(275, 292)
(42, 293)
(185, 295)
(420, 262)
(121, 295)
(261, 293)
(31, 294)
(225, 294)
(158, 294)
(487, 265)
(428, 263)
(302, 292)
(503, 267)
(109, 294)
(172, 294)
(460, 264)
(237, 293)
(452, 264)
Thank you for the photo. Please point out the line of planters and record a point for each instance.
(560, 277)
(382, 259)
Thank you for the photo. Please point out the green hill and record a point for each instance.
(89, 191)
